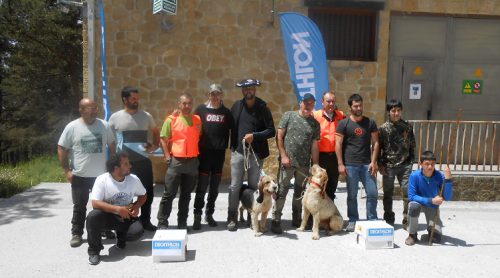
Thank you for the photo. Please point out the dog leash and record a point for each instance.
(247, 151)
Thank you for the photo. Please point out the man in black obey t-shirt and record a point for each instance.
(357, 148)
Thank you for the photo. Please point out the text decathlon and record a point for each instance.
(302, 58)
(380, 232)
(166, 244)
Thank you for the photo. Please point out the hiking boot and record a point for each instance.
(148, 226)
(350, 227)
(232, 225)
(76, 240)
(276, 227)
(411, 239)
(94, 259)
(210, 220)
(296, 219)
(162, 226)
(108, 235)
(197, 222)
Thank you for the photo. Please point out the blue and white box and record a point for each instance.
(374, 234)
(169, 246)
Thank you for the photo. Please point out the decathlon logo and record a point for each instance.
(303, 58)
(380, 232)
(167, 244)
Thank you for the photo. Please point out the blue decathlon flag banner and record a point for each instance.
(105, 96)
(306, 55)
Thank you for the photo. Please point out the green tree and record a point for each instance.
(40, 75)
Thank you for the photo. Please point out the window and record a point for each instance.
(348, 33)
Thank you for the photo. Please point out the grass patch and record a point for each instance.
(16, 179)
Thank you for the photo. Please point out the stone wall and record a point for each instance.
(224, 41)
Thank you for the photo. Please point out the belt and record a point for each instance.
(328, 153)
(184, 158)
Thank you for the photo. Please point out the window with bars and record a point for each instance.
(348, 33)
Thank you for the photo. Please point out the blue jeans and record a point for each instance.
(355, 174)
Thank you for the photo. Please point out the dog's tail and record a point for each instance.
(246, 196)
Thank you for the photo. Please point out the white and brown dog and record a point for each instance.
(316, 203)
(259, 206)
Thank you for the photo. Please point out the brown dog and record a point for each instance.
(261, 205)
(319, 205)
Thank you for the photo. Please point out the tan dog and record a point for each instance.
(261, 205)
(319, 205)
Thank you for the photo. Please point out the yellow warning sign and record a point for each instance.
(418, 70)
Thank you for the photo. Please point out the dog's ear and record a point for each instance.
(260, 198)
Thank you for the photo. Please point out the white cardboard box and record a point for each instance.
(374, 234)
(169, 246)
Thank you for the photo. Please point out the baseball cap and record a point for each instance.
(248, 82)
(308, 96)
(215, 88)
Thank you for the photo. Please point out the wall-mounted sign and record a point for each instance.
(415, 91)
(472, 87)
(168, 6)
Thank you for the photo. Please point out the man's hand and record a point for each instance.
(438, 200)
(342, 170)
(69, 175)
(134, 210)
(248, 138)
(382, 170)
(150, 148)
(447, 172)
(123, 212)
(373, 168)
(285, 161)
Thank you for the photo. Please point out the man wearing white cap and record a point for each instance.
(253, 124)
(217, 121)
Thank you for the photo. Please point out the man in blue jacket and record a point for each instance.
(424, 195)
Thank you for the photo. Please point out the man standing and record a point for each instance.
(217, 121)
(253, 125)
(180, 136)
(397, 153)
(356, 160)
(298, 135)
(329, 118)
(112, 200)
(132, 125)
(83, 140)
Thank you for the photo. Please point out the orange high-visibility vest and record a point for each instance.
(185, 138)
(327, 137)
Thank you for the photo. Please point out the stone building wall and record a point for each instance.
(224, 41)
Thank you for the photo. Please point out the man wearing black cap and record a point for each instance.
(298, 135)
(253, 124)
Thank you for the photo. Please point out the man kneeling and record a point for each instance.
(112, 197)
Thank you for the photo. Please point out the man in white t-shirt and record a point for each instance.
(112, 199)
(82, 153)
(133, 125)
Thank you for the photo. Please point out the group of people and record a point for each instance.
(194, 145)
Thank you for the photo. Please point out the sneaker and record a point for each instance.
(76, 240)
(148, 226)
(276, 227)
(350, 227)
(232, 226)
(197, 222)
(411, 239)
(94, 259)
(121, 244)
(108, 235)
(210, 220)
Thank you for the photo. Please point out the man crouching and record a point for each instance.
(112, 197)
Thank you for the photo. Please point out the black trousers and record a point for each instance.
(329, 162)
(143, 169)
(210, 173)
(80, 189)
(98, 221)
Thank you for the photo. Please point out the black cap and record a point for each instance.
(308, 96)
(249, 82)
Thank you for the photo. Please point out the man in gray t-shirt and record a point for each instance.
(298, 136)
(82, 153)
(132, 125)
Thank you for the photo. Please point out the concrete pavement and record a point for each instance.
(35, 234)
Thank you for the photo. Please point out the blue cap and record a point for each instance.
(308, 96)
(249, 82)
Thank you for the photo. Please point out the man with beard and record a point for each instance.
(132, 125)
(298, 135)
(354, 136)
(253, 125)
(84, 140)
(114, 209)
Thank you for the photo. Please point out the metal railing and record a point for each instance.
(464, 145)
